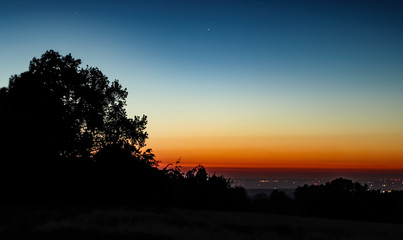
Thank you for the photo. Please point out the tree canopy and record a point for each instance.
(66, 138)
(60, 110)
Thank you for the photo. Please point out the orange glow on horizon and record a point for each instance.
(380, 152)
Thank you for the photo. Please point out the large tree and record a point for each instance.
(60, 110)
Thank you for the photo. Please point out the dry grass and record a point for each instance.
(124, 223)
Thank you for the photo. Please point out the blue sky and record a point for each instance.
(228, 67)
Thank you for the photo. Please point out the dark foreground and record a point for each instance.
(155, 223)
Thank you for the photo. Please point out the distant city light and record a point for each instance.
(391, 183)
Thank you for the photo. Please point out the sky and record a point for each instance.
(237, 84)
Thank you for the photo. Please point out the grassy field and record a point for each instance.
(155, 223)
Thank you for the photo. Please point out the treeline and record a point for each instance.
(340, 198)
(114, 177)
(66, 139)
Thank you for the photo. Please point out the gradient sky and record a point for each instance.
(246, 84)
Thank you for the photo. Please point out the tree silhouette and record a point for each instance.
(66, 138)
(197, 175)
(338, 198)
(59, 110)
(60, 123)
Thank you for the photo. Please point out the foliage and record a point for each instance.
(59, 110)
(66, 138)
(343, 198)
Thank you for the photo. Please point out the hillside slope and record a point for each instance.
(125, 223)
